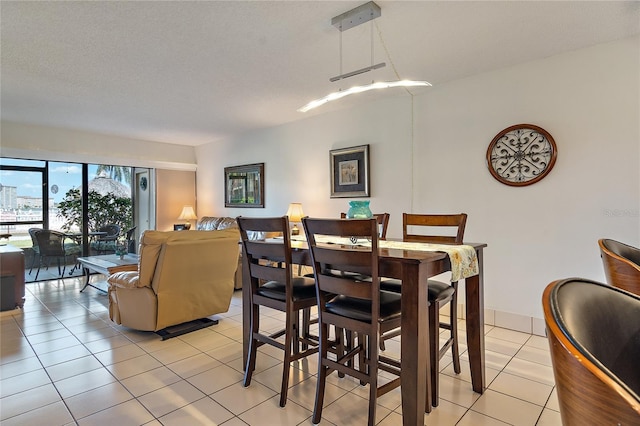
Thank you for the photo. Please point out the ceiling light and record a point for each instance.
(361, 14)
(359, 89)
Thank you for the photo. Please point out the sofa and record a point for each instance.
(181, 276)
(217, 223)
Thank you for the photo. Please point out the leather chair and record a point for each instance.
(351, 304)
(594, 338)
(621, 264)
(450, 231)
(181, 276)
(274, 286)
(383, 223)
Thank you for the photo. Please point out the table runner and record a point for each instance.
(464, 260)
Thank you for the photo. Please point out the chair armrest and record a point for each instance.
(124, 279)
(124, 268)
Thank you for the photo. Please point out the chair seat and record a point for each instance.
(437, 290)
(303, 288)
(360, 309)
(72, 248)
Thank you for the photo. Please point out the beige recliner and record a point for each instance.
(181, 276)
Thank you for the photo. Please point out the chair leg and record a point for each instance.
(33, 262)
(292, 321)
(372, 371)
(341, 347)
(253, 346)
(322, 373)
(434, 352)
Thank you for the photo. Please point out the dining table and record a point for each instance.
(413, 267)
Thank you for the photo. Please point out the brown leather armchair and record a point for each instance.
(593, 333)
(181, 276)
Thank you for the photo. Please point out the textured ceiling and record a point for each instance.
(197, 72)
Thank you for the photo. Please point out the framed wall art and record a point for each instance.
(349, 172)
(244, 185)
(521, 155)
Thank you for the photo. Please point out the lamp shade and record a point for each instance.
(295, 212)
(187, 213)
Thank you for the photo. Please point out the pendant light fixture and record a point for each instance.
(361, 14)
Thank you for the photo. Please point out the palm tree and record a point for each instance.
(116, 172)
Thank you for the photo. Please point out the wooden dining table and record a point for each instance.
(413, 268)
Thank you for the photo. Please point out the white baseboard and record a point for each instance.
(507, 320)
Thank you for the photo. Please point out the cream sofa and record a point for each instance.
(181, 276)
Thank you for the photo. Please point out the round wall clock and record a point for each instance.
(143, 183)
(521, 155)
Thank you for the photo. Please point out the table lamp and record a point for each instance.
(187, 214)
(295, 214)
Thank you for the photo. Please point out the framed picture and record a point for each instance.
(244, 186)
(179, 227)
(350, 172)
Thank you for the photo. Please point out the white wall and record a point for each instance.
(296, 158)
(588, 100)
(55, 144)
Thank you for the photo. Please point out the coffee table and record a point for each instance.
(106, 264)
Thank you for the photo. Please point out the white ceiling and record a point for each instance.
(196, 72)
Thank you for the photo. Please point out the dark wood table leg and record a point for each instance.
(415, 363)
(474, 295)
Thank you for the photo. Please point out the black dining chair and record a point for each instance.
(383, 223)
(436, 229)
(350, 303)
(274, 286)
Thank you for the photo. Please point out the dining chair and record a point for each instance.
(351, 304)
(274, 286)
(51, 244)
(593, 331)
(436, 229)
(621, 264)
(383, 223)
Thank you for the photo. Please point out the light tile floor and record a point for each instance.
(63, 362)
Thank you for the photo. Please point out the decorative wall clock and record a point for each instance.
(521, 155)
(143, 183)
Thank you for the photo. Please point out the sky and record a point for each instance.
(62, 178)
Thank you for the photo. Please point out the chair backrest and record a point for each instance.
(130, 232)
(383, 223)
(621, 264)
(594, 337)
(191, 273)
(34, 240)
(50, 243)
(112, 231)
(450, 228)
(338, 268)
(267, 260)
